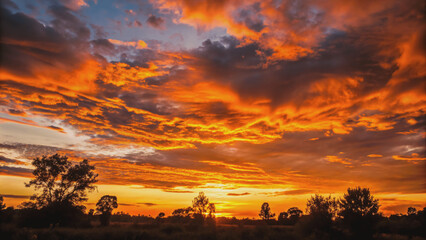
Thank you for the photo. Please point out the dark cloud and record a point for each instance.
(9, 160)
(290, 192)
(99, 31)
(156, 22)
(238, 194)
(251, 17)
(177, 191)
(138, 24)
(29, 47)
(56, 128)
(30, 151)
(15, 196)
(10, 4)
(68, 24)
(103, 47)
(148, 204)
(402, 208)
(15, 171)
(16, 112)
(127, 204)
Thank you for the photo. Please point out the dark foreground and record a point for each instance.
(177, 231)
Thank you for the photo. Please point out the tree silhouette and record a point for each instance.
(294, 211)
(60, 181)
(211, 209)
(358, 202)
(294, 214)
(2, 205)
(321, 212)
(200, 203)
(61, 187)
(182, 212)
(265, 212)
(359, 210)
(105, 206)
(161, 215)
(411, 211)
(283, 217)
(326, 207)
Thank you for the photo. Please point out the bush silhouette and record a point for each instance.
(283, 218)
(294, 214)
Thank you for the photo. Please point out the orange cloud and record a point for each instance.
(336, 159)
(137, 44)
(413, 157)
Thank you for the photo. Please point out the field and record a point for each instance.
(166, 231)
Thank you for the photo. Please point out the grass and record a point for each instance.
(151, 231)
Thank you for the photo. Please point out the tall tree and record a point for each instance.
(211, 209)
(2, 205)
(321, 212)
(326, 207)
(61, 187)
(60, 181)
(358, 202)
(359, 210)
(104, 206)
(265, 212)
(200, 203)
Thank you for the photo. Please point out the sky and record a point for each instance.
(248, 101)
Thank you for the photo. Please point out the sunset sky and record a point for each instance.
(249, 101)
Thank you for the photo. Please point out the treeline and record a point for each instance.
(61, 188)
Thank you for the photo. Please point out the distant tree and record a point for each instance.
(325, 207)
(91, 212)
(294, 214)
(2, 209)
(61, 188)
(359, 210)
(161, 215)
(60, 181)
(318, 224)
(411, 211)
(294, 211)
(211, 210)
(2, 205)
(358, 202)
(104, 207)
(265, 212)
(282, 216)
(182, 212)
(200, 203)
